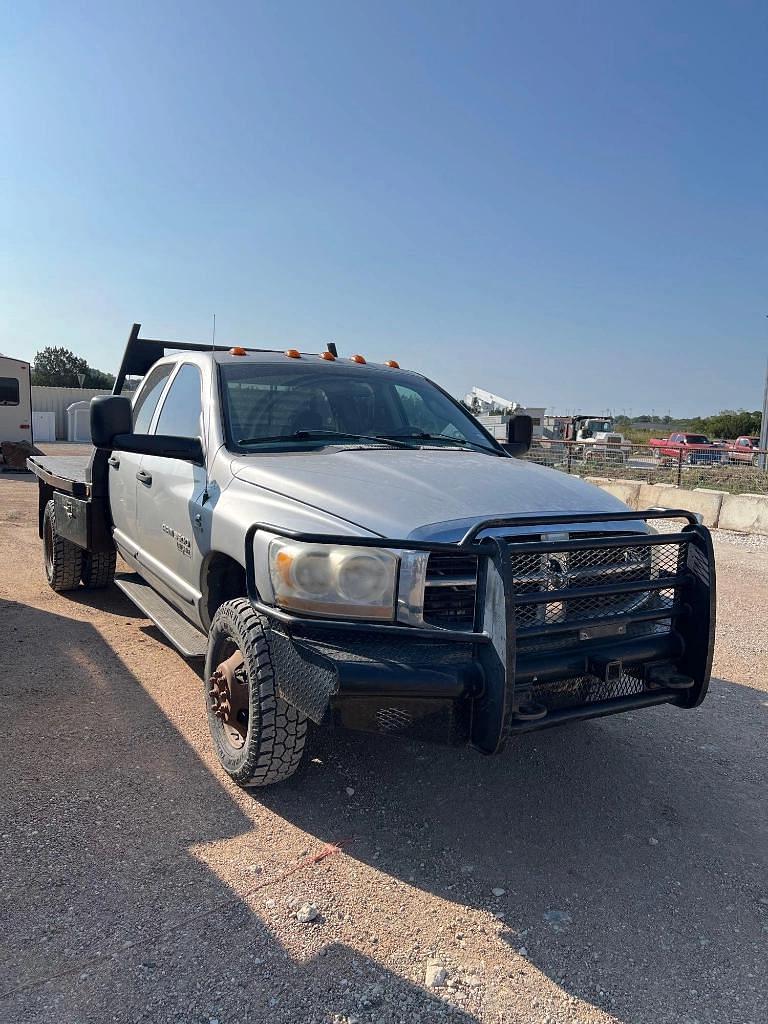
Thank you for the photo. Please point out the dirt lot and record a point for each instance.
(140, 885)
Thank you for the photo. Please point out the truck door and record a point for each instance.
(123, 466)
(172, 522)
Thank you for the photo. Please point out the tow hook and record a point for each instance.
(666, 676)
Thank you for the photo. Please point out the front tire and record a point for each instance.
(62, 559)
(258, 738)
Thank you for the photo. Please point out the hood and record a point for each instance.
(429, 494)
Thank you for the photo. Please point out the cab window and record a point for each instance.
(182, 409)
(147, 399)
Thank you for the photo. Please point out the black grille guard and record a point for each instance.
(508, 670)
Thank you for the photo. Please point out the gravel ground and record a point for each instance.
(613, 870)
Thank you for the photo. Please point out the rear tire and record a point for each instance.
(266, 743)
(62, 559)
(98, 569)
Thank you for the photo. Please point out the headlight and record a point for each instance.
(340, 581)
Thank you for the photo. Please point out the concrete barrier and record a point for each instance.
(625, 490)
(650, 495)
(745, 513)
(706, 503)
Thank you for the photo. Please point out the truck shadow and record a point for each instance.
(631, 850)
(110, 910)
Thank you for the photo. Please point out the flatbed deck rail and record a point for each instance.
(67, 473)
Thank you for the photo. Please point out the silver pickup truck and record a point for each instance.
(344, 544)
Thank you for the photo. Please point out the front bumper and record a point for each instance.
(607, 647)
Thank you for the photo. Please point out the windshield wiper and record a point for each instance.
(421, 435)
(319, 435)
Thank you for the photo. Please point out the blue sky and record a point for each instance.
(565, 203)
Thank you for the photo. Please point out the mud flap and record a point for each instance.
(304, 678)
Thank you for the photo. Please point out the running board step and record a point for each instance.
(186, 638)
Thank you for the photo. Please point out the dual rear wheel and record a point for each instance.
(66, 565)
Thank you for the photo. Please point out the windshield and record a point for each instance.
(304, 406)
(599, 425)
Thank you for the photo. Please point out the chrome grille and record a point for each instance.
(451, 583)
(558, 573)
(449, 595)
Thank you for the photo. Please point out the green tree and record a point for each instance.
(99, 379)
(57, 367)
(732, 423)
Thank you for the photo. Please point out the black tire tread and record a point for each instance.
(277, 730)
(98, 569)
(66, 557)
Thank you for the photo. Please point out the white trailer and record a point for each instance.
(15, 400)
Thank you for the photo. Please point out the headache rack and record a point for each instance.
(141, 354)
(561, 625)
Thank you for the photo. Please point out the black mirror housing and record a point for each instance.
(186, 449)
(110, 415)
(112, 429)
(519, 435)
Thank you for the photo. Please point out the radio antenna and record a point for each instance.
(208, 414)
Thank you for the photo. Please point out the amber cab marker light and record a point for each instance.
(327, 355)
(393, 363)
(237, 350)
(293, 353)
(358, 359)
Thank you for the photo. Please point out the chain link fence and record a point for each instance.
(725, 467)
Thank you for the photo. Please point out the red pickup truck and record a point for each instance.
(693, 449)
(744, 449)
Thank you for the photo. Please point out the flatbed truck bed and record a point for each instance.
(68, 473)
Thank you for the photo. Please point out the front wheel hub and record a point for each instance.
(228, 694)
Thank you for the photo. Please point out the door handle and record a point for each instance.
(114, 461)
(144, 477)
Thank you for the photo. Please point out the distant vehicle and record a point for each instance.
(743, 449)
(599, 441)
(15, 400)
(693, 449)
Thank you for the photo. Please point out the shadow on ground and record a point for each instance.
(632, 849)
(106, 913)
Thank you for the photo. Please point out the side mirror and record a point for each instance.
(519, 435)
(186, 449)
(110, 415)
(112, 428)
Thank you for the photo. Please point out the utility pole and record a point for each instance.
(762, 459)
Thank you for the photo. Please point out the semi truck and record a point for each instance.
(595, 439)
(343, 544)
